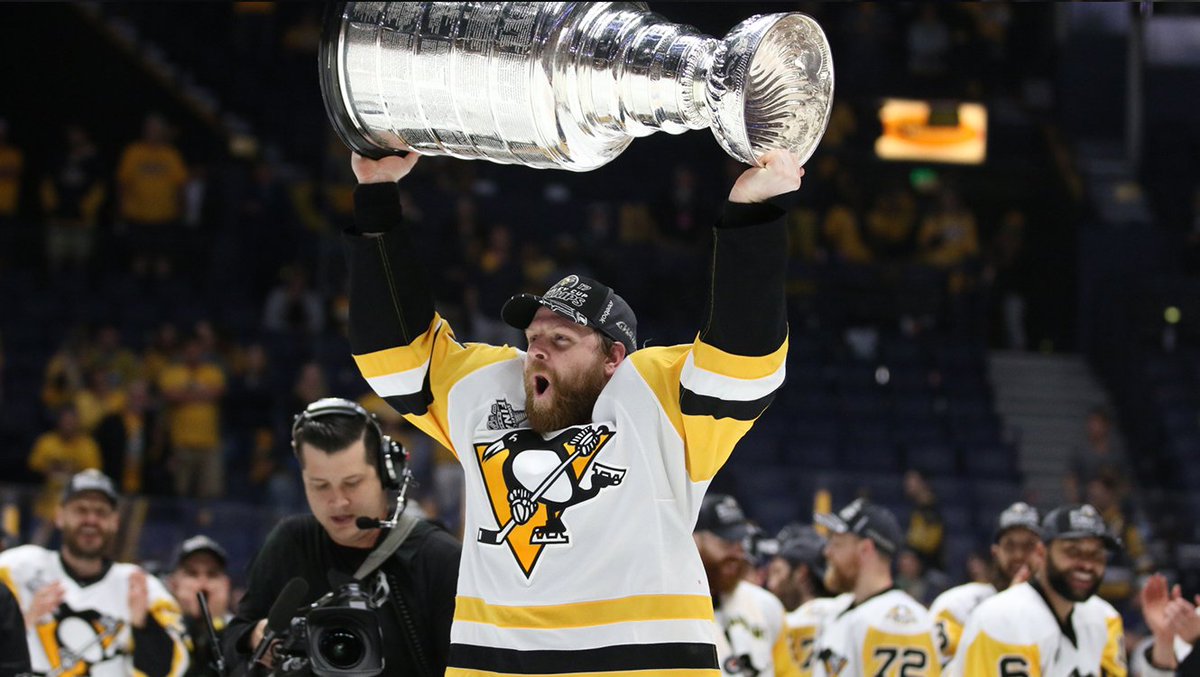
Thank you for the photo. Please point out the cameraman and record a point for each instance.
(349, 469)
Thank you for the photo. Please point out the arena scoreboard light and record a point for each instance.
(932, 131)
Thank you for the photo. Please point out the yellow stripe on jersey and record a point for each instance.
(399, 374)
(886, 654)
(947, 631)
(718, 361)
(1112, 661)
(586, 614)
(400, 360)
(988, 656)
(459, 672)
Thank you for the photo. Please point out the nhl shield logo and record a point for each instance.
(532, 481)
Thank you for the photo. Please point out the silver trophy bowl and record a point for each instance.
(567, 85)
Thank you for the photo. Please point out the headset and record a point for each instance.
(392, 459)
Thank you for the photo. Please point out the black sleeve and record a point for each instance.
(153, 649)
(14, 652)
(747, 303)
(1190, 667)
(439, 575)
(391, 303)
(267, 576)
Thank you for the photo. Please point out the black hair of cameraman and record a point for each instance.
(405, 573)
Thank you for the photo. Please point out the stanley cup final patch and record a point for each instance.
(531, 482)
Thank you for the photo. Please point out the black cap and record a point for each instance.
(801, 544)
(721, 514)
(582, 300)
(866, 520)
(90, 480)
(1019, 515)
(200, 543)
(1072, 522)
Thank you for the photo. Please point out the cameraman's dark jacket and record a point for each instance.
(423, 573)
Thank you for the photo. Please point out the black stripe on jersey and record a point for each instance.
(665, 656)
(694, 404)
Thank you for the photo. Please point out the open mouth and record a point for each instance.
(540, 385)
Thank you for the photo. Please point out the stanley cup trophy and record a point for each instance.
(567, 85)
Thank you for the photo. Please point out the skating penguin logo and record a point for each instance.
(532, 481)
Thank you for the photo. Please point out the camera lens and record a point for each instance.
(342, 648)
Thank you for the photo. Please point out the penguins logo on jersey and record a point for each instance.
(80, 640)
(532, 481)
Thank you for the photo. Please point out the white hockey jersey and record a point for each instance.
(90, 634)
(804, 624)
(888, 635)
(751, 639)
(950, 612)
(602, 574)
(1016, 633)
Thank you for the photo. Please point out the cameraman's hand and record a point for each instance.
(256, 638)
(384, 170)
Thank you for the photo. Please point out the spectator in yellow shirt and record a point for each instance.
(58, 455)
(193, 389)
(150, 181)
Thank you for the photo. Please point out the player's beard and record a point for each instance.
(73, 543)
(573, 401)
(838, 581)
(725, 574)
(1058, 580)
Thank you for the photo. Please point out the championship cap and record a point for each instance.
(866, 520)
(582, 300)
(90, 480)
(1071, 522)
(200, 543)
(1019, 515)
(721, 514)
(801, 544)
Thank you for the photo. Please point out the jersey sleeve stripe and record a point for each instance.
(695, 404)
(401, 360)
(713, 359)
(400, 383)
(585, 614)
(657, 657)
(712, 384)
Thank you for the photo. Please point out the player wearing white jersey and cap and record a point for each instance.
(796, 575)
(749, 619)
(1053, 625)
(1015, 540)
(882, 632)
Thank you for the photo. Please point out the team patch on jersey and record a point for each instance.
(902, 615)
(532, 481)
(503, 416)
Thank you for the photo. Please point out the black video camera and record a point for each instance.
(338, 637)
